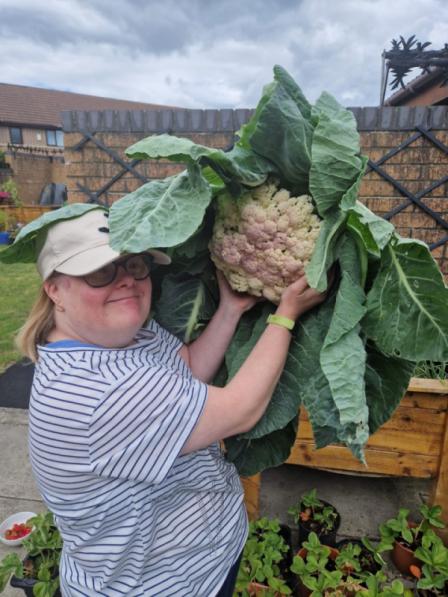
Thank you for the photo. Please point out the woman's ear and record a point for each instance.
(52, 288)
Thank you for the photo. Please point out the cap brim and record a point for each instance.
(159, 257)
(92, 259)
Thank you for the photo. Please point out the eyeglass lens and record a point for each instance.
(137, 266)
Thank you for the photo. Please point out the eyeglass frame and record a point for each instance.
(147, 259)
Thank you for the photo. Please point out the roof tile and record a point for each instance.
(34, 106)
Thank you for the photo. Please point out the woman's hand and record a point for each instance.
(232, 301)
(299, 298)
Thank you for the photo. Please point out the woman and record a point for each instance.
(125, 426)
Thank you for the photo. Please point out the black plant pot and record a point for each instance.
(325, 537)
(368, 562)
(27, 584)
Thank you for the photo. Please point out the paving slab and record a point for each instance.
(18, 492)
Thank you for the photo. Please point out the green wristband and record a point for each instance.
(283, 322)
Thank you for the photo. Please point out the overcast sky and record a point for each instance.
(209, 53)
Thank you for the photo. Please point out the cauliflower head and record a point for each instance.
(263, 241)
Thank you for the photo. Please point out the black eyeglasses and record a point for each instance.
(137, 266)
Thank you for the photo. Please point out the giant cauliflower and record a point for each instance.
(263, 241)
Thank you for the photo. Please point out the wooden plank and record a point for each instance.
(435, 386)
(396, 440)
(339, 458)
(425, 400)
(251, 486)
(433, 405)
(407, 430)
(440, 488)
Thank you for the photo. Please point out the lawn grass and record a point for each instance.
(19, 283)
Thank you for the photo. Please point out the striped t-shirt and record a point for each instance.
(136, 517)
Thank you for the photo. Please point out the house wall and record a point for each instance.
(415, 168)
(31, 172)
(33, 164)
(31, 137)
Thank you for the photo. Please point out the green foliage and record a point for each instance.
(9, 186)
(431, 370)
(316, 568)
(434, 573)
(265, 549)
(10, 564)
(399, 528)
(377, 586)
(386, 312)
(311, 510)
(43, 548)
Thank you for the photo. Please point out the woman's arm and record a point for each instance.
(205, 355)
(241, 403)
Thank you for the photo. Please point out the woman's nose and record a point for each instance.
(123, 276)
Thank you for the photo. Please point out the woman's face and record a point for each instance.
(109, 316)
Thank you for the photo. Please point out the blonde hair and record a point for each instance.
(37, 327)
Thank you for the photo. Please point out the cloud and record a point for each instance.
(197, 53)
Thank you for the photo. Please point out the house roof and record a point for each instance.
(416, 86)
(21, 105)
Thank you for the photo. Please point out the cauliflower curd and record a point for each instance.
(263, 241)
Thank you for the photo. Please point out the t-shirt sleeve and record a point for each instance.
(139, 427)
(169, 339)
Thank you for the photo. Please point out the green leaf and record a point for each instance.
(161, 213)
(31, 237)
(251, 456)
(374, 231)
(238, 165)
(9, 565)
(281, 132)
(336, 164)
(343, 356)
(184, 305)
(326, 250)
(407, 304)
(387, 379)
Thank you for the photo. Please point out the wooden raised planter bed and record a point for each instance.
(413, 443)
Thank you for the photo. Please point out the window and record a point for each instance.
(55, 138)
(51, 137)
(15, 134)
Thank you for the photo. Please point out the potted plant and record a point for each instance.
(38, 574)
(432, 573)
(361, 555)
(318, 516)
(377, 586)
(404, 536)
(315, 567)
(264, 568)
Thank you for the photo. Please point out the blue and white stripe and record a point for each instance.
(137, 518)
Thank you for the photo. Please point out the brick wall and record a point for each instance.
(31, 172)
(417, 139)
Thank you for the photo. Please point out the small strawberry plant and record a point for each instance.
(315, 515)
(40, 568)
(410, 534)
(432, 576)
(315, 566)
(265, 560)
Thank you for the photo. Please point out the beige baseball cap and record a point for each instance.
(80, 245)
